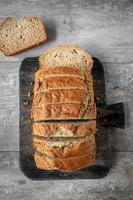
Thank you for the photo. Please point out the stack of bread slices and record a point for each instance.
(63, 110)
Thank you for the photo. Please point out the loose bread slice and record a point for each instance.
(64, 129)
(19, 35)
(64, 164)
(66, 55)
(66, 111)
(64, 147)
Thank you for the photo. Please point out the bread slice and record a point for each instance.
(62, 96)
(64, 111)
(62, 83)
(61, 80)
(66, 55)
(64, 129)
(17, 35)
(64, 147)
(44, 72)
(45, 162)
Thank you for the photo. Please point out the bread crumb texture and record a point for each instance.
(17, 35)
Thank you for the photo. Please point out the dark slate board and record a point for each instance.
(107, 117)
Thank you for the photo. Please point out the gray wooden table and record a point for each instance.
(104, 28)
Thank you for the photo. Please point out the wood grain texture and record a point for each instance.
(9, 106)
(105, 28)
(117, 185)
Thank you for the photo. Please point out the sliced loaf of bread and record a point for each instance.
(64, 129)
(64, 147)
(64, 110)
(17, 35)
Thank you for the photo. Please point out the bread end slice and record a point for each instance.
(67, 164)
(66, 55)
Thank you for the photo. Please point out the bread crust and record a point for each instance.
(62, 96)
(62, 79)
(41, 41)
(64, 111)
(62, 82)
(73, 129)
(67, 164)
(47, 71)
(70, 147)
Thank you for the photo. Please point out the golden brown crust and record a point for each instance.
(45, 71)
(66, 147)
(64, 111)
(62, 96)
(75, 129)
(66, 95)
(61, 80)
(67, 164)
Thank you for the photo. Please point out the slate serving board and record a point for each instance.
(107, 117)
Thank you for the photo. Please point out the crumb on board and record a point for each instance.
(29, 94)
(26, 103)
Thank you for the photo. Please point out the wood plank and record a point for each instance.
(9, 160)
(119, 88)
(101, 27)
(119, 82)
(9, 106)
(117, 185)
